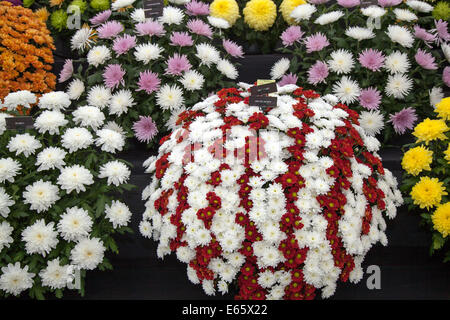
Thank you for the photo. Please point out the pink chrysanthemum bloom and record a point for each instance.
(148, 82)
(182, 39)
(403, 120)
(371, 59)
(109, 30)
(316, 42)
(389, 3)
(197, 26)
(424, 35)
(348, 3)
(370, 98)
(425, 60)
(232, 48)
(441, 31)
(145, 129)
(289, 78)
(446, 76)
(150, 28)
(121, 45)
(177, 65)
(100, 18)
(197, 8)
(291, 35)
(318, 73)
(67, 71)
(113, 75)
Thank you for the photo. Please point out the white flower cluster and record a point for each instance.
(41, 172)
(179, 214)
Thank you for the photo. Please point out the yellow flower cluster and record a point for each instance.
(225, 9)
(441, 219)
(260, 15)
(428, 192)
(26, 56)
(429, 130)
(443, 108)
(417, 159)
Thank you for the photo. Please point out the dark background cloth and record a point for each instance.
(407, 269)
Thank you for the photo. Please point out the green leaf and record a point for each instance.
(438, 241)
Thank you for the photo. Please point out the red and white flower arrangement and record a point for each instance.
(283, 201)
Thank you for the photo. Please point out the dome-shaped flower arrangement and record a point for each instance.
(58, 187)
(282, 201)
(382, 59)
(26, 56)
(426, 181)
(151, 68)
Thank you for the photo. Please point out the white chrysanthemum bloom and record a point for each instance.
(51, 158)
(88, 253)
(371, 121)
(207, 54)
(121, 101)
(5, 203)
(56, 100)
(436, 95)
(359, 33)
(172, 15)
(400, 35)
(329, 17)
(9, 168)
(75, 89)
(218, 23)
(397, 62)
(145, 228)
(50, 121)
(404, 15)
(398, 86)
(303, 12)
(82, 39)
(116, 172)
(147, 52)
(109, 140)
(280, 68)
(89, 116)
(119, 4)
(25, 144)
(138, 15)
(99, 96)
(341, 61)
(346, 89)
(98, 55)
(40, 238)
(192, 80)
(3, 117)
(373, 12)
(118, 214)
(227, 69)
(54, 275)
(75, 178)
(75, 224)
(420, 6)
(5, 235)
(41, 195)
(111, 125)
(170, 97)
(446, 50)
(76, 139)
(15, 279)
(22, 98)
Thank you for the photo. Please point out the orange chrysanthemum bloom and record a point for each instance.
(26, 52)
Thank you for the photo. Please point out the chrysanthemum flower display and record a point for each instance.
(58, 187)
(139, 67)
(282, 201)
(426, 182)
(383, 61)
(26, 56)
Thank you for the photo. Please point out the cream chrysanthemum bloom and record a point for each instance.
(286, 8)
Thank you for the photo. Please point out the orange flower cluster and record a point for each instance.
(26, 55)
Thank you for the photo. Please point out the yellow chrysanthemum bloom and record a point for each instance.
(443, 109)
(225, 9)
(447, 153)
(441, 219)
(428, 192)
(429, 130)
(260, 15)
(42, 14)
(286, 8)
(417, 159)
